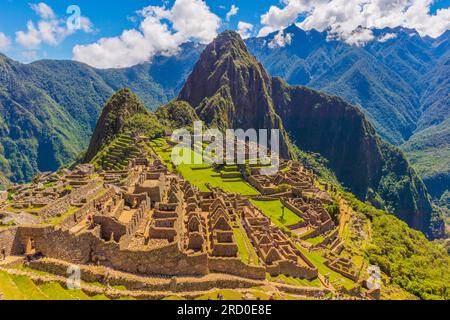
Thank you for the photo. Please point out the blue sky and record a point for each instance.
(108, 19)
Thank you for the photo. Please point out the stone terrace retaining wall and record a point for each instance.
(236, 267)
(61, 244)
(135, 282)
(62, 205)
(81, 213)
(7, 240)
(157, 288)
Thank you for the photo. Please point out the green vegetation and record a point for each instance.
(145, 124)
(319, 262)
(412, 261)
(202, 175)
(316, 240)
(117, 154)
(294, 281)
(246, 251)
(124, 111)
(317, 163)
(429, 153)
(418, 265)
(273, 209)
(57, 220)
(18, 287)
(177, 114)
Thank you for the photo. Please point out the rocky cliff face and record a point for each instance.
(229, 88)
(121, 107)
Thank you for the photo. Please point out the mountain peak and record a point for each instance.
(122, 106)
(229, 88)
(229, 45)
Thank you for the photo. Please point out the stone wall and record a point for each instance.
(7, 241)
(110, 229)
(289, 268)
(81, 213)
(135, 282)
(62, 205)
(236, 267)
(81, 248)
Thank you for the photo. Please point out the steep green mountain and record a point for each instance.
(429, 148)
(123, 116)
(176, 114)
(357, 74)
(400, 80)
(119, 111)
(229, 88)
(48, 109)
(429, 152)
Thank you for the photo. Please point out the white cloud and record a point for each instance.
(280, 40)
(49, 29)
(5, 41)
(161, 31)
(233, 11)
(43, 10)
(349, 19)
(245, 29)
(386, 37)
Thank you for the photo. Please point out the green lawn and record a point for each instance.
(206, 175)
(316, 240)
(246, 251)
(17, 287)
(295, 281)
(318, 261)
(273, 210)
(202, 174)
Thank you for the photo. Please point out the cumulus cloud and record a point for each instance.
(161, 31)
(233, 11)
(5, 41)
(245, 29)
(49, 29)
(280, 40)
(350, 19)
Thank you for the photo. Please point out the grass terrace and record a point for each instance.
(318, 261)
(246, 251)
(16, 287)
(273, 209)
(200, 175)
(117, 154)
(294, 281)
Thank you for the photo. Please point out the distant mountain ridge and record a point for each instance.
(49, 108)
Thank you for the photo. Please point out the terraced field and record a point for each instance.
(15, 287)
(294, 281)
(200, 175)
(273, 209)
(117, 154)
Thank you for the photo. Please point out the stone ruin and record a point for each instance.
(146, 220)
